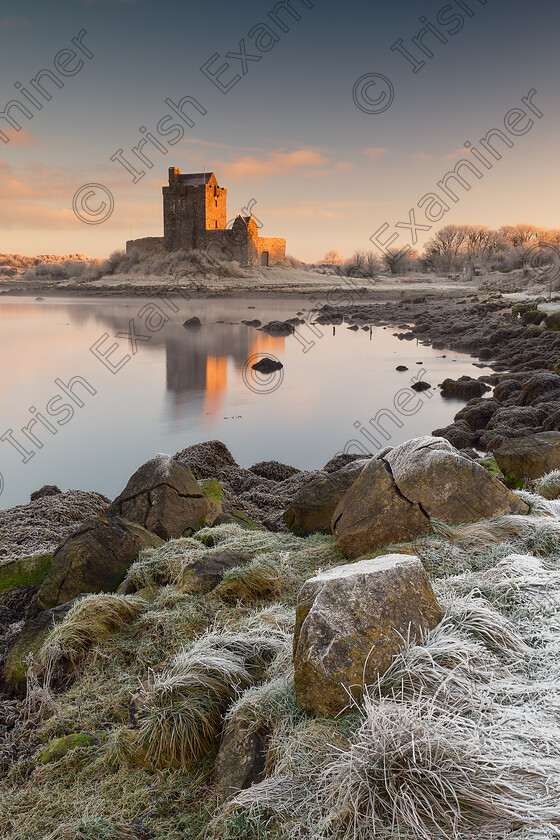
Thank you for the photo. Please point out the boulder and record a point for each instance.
(529, 457)
(278, 328)
(193, 323)
(373, 513)
(274, 470)
(313, 506)
(465, 388)
(28, 643)
(26, 571)
(206, 459)
(552, 321)
(540, 387)
(164, 497)
(350, 623)
(341, 460)
(205, 573)
(448, 487)
(267, 365)
(94, 558)
(241, 759)
(58, 748)
(236, 517)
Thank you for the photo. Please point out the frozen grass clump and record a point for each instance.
(91, 620)
(183, 705)
(548, 486)
(416, 767)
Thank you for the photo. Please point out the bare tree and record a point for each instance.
(333, 257)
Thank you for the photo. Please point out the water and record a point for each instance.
(176, 387)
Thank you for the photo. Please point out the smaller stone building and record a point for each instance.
(194, 216)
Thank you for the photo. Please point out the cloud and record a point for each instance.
(455, 155)
(8, 23)
(23, 137)
(420, 156)
(374, 152)
(280, 162)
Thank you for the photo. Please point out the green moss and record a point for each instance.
(514, 483)
(214, 490)
(29, 571)
(491, 466)
(58, 748)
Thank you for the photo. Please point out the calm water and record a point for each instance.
(180, 387)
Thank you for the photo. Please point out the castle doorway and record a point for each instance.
(264, 258)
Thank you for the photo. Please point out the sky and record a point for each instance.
(328, 134)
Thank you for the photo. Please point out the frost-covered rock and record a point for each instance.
(351, 621)
(313, 506)
(531, 456)
(164, 497)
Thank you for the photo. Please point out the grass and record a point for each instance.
(549, 485)
(458, 739)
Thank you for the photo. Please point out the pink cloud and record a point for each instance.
(420, 156)
(374, 152)
(251, 168)
(23, 137)
(458, 153)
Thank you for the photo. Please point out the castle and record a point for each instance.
(194, 216)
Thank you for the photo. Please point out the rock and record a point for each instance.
(46, 490)
(420, 386)
(430, 473)
(465, 387)
(278, 328)
(540, 387)
(337, 462)
(25, 571)
(163, 497)
(273, 470)
(528, 457)
(206, 459)
(241, 759)
(507, 389)
(58, 748)
(205, 573)
(477, 413)
(401, 367)
(235, 517)
(459, 434)
(193, 323)
(254, 323)
(267, 365)
(373, 514)
(28, 643)
(313, 506)
(350, 623)
(552, 321)
(94, 559)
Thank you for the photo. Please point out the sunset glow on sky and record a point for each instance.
(273, 116)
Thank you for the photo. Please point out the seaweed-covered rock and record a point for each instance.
(94, 559)
(206, 459)
(164, 497)
(465, 387)
(351, 621)
(529, 457)
(273, 470)
(313, 506)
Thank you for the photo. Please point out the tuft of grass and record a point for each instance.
(420, 768)
(549, 485)
(263, 578)
(183, 706)
(93, 828)
(92, 619)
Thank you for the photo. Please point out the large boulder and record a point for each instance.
(448, 487)
(93, 559)
(373, 513)
(465, 388)
(543, 386)
(529, 457)
(164, 497)
(27, 645)
(313, 506)
(350, 623)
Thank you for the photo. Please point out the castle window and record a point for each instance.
(216, 223)
(216, 202)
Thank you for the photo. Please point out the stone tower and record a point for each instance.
(193, 205)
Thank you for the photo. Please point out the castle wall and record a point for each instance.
(274, 246)
(147, 245)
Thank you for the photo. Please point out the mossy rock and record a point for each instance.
(58, 748)
(28, 643)
(213, 490)
(491, 466)
(27, 571)
(236, 517)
